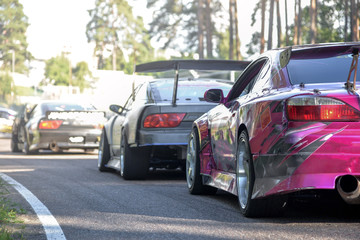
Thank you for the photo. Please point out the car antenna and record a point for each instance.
(353, 67)
(176, 83)
(133, 84)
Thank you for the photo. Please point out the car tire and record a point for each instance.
(245, 180)
(104, 153)
(15, 143)
(193, 178)
(27, 148)
(134, 162)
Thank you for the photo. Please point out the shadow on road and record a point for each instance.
(332, 209)
(50, 153)
(166, 175)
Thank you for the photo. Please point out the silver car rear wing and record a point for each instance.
(176, 65)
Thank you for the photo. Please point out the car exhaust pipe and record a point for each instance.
(348, 187)
(54, 147)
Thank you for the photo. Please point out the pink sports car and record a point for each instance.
(290, 124)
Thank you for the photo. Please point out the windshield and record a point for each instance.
(59, 106)
(188, 91)
(322, 70)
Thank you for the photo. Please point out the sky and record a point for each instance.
(56, 26)
(60, 25)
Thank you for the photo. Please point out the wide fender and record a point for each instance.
(132, 124)
(202, 126)
(108, 128)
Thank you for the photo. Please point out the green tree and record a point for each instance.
(187, 26)
(326, 19)
(168, 20)
(257, 43)
(271, 21)
(320, 21)
(286, 24)
(343, 18)
(327, 30)
(57, 70)
(298, 23)
(278, 21)
(313, 22)
(5, 85)
(354, 17)
(82, 75)
(223, 46)
(234, 50)
(254, 45)
(114, 30)
(13, 44)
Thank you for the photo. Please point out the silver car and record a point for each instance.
(152, 128)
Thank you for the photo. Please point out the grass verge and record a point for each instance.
(10, 225)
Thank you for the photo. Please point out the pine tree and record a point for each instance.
(114, 29)
(13, 43)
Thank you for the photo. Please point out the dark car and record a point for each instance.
(152, 128)
(289, 127)
(57, 126)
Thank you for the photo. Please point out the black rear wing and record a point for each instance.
(90, 117)
(160, 66)
(176, 65)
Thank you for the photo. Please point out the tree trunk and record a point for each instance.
(209, 31)
(286, 25)
(313, 22)
(354, 21)
(357, 20)
(101, 56)
(114, 40)
(296, 23)
(135, 57)
(114, 57)
(200, 29)
(237, 38)
(262, 40)
(299, 23)
(231, 31)
(271, 21)
(278, 23)
(346, 25)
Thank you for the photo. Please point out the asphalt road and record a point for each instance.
(91, 205)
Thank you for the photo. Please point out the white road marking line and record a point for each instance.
(52, 228)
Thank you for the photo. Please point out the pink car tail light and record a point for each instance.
(320, 109)
(165, 120)
(50, 124)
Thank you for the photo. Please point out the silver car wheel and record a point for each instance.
(243, 173)
(190, 162)
(100, 153)
(122, 156)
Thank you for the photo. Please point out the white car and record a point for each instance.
(7, 117)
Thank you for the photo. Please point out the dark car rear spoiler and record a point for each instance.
(207, 64)
(324, 50)
(328, 50)
(176, 65)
